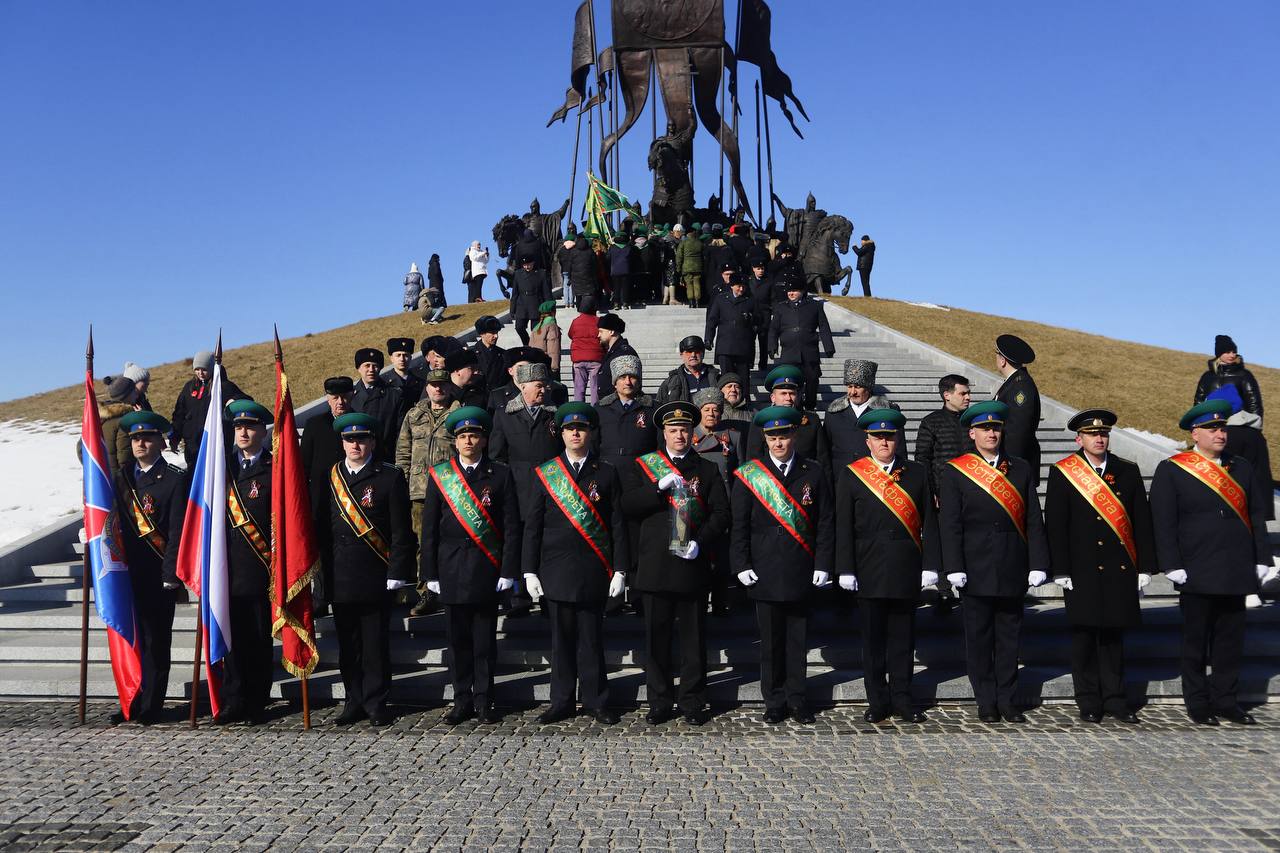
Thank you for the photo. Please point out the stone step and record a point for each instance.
(626, 685)
(70, 569)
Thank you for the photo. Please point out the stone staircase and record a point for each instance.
(40, 612)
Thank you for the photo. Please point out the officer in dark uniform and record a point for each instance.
(781, 564)
(1209, 512)
(783, 385)
(321, 448)
(575, 545)
(468, 383)
(731, 320)
(370, 538)
(675, 583)
(797, 327)
(246, 683)
(469, 564)
(410, 384)
(488, 353)
(887, 557)
(152, 497)
(993, 549)
(1092, 563)
(761, 290)
(1020, 394)
(378, 398)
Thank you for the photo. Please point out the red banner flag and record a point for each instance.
(294, 553)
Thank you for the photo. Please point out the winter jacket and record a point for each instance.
(119, 447)
(423, 443)
(580, 263)
(604, 379)
(546, 337)
(1236, 374)
(621, 261)
(689, 256)
(866, 255)
(939, 440)
(584, 338)
(412, 289)
(191, 407)
(531, 290)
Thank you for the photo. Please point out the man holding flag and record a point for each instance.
(202, 555)
(246, 687)
(150, 494)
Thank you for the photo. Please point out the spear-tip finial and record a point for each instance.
(275, 330)
(217, 350)
(88, 350)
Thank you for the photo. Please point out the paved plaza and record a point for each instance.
(735, 784)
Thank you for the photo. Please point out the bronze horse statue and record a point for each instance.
(822, 267)
(505, 235)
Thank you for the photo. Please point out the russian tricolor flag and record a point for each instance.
(112, 589)
(202, 554)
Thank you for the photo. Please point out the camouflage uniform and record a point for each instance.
(423, 443)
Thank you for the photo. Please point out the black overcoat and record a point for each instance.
(874, 546)
(451, 556)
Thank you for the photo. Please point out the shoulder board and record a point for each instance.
(174, 468)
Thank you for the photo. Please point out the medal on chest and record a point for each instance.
(806, 495)
(366, 497)
(693, 486)
(640, 421)
(147, 503)
(486, 497)
(592, 491)
(253, 489)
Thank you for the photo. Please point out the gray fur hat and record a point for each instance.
(708, 395)
(204, 359)
(625, 365)
(136, 372)
(532, 372)
(859, 371)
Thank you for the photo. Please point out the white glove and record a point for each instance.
(690, 551)
(928, 578)
(957, 579)
(1064, 582)
(821, 579)
(392, 583)
(433, 586)
(505, 584)
(1266, 574)
(1036, 578)
(1143, 580)
(748, 578)
(669, 480)
(1177, 576)
(849, 582)
(534, 586)
(617, 584)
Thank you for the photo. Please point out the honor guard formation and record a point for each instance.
(481, 485)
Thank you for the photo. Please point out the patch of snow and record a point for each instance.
(42, 481)
(1173, 445)
(929, 305)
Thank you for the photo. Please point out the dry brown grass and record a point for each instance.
(1148, 387)
(309, 360)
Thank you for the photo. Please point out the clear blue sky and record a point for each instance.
(169, 168)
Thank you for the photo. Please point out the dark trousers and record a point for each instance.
(473, 644)
(1097, 669)
(739, 364)
(364, 653)
(522, 329)
(991, 628)
(246, 680)
(812, 371)
(762, 347)
(577, 655)
(663, 614)
(155, 631)
(621, 284)
(783, 652)
(888, 651)
(475, 288)
(1212, 635)
(865, 275)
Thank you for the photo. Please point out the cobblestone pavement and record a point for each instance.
(735, 784)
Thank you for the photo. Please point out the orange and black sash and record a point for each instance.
(241, 520)
(144, 526)
(353, 515)
(882, 485)
(1218, 480)
(990, 480)
(1098, 495)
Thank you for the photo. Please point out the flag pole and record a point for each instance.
(282, 588)
(84, 578)
(590, 130)
(573, 185)
(720, 129)
(768, 153)
(759, 182)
